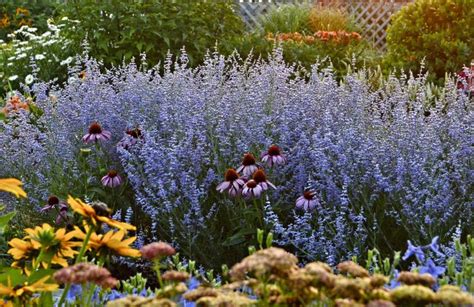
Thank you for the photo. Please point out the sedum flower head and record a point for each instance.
(157, 250)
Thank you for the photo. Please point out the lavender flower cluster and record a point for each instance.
(383, 165)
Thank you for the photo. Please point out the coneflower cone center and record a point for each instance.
(251, 184)
(112, 174)
(274, 150)
(135, 133)
(231, 175)
(53, 200)
(249, 159)
(259, 176)
(95, 128)
(308, 195)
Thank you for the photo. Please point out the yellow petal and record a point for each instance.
(12, 185)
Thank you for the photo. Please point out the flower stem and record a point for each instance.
(158, 272)
(78, 259)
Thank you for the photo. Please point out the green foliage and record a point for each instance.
(460, 269)
(4, 220)
(306, 20)
(438, 32)
(331, 19)
(120, 30)
(287, 18)
(49, 51)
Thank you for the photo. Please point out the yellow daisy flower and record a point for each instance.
(111, 242)
(97, 214)
(59, 242)
(12, 185)
(25, 290)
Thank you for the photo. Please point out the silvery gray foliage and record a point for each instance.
(387, 164)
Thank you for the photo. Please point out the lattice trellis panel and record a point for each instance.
(373, 15)
(251, 10)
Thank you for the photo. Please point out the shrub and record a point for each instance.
(440, 33)
(330, 19)
(385, 167)
(30, 56)
(289, 20)
(15, 14)
(117, 31)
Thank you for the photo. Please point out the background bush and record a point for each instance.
(15, 14)
(438, 32)
(116, 31)
(307, 20)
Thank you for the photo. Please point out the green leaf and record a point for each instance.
(4, 219)
(14, 276)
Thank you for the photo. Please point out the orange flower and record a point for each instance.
(98, 213)
(5, 21)
(22, 11)
(14, 104)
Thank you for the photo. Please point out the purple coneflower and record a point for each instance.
(261, 179)
(96, 133)
(232, 184)
(112, 179)
(252, 189)
(131, 138)
(273, 156)
(62, 214)
(53, 201)
(308, 201)
(61, 207)
(249, 165)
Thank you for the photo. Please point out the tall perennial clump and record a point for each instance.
(377, 166)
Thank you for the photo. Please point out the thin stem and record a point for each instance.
(158, 272)
(78, 259)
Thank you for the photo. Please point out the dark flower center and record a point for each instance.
(274, 150)
(101, 209)
(251, 184)
(231, 175)
(308, 195)
(249, 159)
(112, 173)
(53, 200)
(259, 176)
(95, 128)
(135, 133)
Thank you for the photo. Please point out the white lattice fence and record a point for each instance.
(373, 15)
(251, 10)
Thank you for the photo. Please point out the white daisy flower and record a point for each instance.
(13, 78)
(29, 79)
